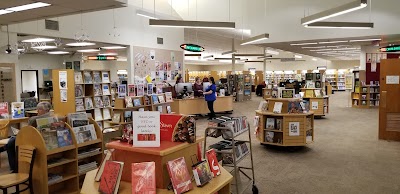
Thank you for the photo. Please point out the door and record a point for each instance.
(30, 81)
(389, 106)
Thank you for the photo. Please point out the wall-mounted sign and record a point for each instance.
(394, 48)
(192, 47)
(102, 58)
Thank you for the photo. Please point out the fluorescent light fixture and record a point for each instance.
(341, 25)
(343, 49)
(313, 47)
(146, 14)
(272, 52)
(122, 71)
(2, 11)
(108, 54)
(191, 24)
(298, 56)
(307, 43)
(343, 9)
(113, 47)
(229, 52)
(20, 49)
(333, 42)
(122, 59)
(28, 6)
(44, 47)
(321, 50)
(39, 40)
(209, 56)
(89, 50)
(57, 52)
(255, 39)
(337, 46)
(314, 59)
(78, 44)
(254, 61)
(365, 40)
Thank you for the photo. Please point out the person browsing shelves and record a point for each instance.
(198, 88)
(210, 96)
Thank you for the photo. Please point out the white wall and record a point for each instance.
(29, 82)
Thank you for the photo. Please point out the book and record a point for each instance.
(97, 114)
(278, 107)
(169, 109)
(4, 113)
(50, 139)
(318, 84)
(131, 90)
(128, 116)
(96, 77)
(287, 93)
(102, 165)
(168, 97)
(106, 89)
(136, 102)
(97, 90)
(309, 76)
(202, 173)
(213, 162)
(121, 91)
(294, 107)
(85, 133)
(317, 93)
(146, 100)
(159, 88)
(79, 105)
(179, 174)
(111, 177)
(144, 177)
(17, 110)
(160, 109)
(155, 99)
(88, 103)
(98, 102)
(116, 118)
(100, 124)
(78, 77)
(128, 101)
(140, 90)
(79, 122)
(161, 99)
(279, 123)
(79, 91)
(270, 124)
(106, 101)
(64, 138)
(79, 116)
(106, 114)
(269, 136)
(45, 123)
(87, 77)
(263, 106)
(105, 77)
(149, 89)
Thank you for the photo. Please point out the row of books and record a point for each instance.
(241, 150)
(237, 124)
(371, 83)
(90, 77)
(54, 133)
(364, 97)
(87, 103)
(84, 168)
(54, 178)
(17, 110)
(160, 98)
(273, 137)
(87, 152)
(98, 90)
(274, 123)
(139, 89)
(102, 114)
(364, 103)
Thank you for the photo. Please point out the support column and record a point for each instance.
(131, 65)
(363, 58)
(233, 56)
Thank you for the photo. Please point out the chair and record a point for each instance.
(26, 154)
(4, 125)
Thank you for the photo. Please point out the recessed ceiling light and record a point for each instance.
(313, 47)
(44, 47)
(365, 40)
(28, 6)
(39, 40)
(113, 47)
(108, 54)
(57, 52)
(333, 42)
(307, 43)
(78, 44)
(89, 50)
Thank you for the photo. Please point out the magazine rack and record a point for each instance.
(238, 186)
(66, 166)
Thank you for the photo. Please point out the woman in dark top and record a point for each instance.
(198, 88)
(210, 96)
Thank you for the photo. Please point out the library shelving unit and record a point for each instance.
(247, 82)
(366, 96)
(331, 78)
(318, 104)
(62, 161)
(236, 86)
(341, 81)
(87, 94)
(163, 105)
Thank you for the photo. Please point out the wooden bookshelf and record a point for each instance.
(321, 103)
(67, 166)
(366, 96)
(281, 135)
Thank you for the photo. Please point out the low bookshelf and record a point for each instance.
(318, 103)
(366, 96)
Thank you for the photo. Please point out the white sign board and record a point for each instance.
(294, 128)
(146, 129)
(392, 79)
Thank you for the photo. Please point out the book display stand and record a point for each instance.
(321, 103)
(64, 162)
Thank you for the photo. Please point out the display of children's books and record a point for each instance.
(136, 102)
(85, 133)
(97, 77)
(87, 77)
(98, 102)
(89, 103)
(78, 77)
(131, 90)
(79, 91)
(4, 113)
(17, 110)
(97, 90)
(106, 101)
(64, 138)
(106, 89)
(105, 77)
(79, 105)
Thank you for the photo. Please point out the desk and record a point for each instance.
(199, 105)
(124, 152)
(220, 184)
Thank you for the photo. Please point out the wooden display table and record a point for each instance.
(281, 136)
(320, 106)
(220, 184)
(124, 152)
(199, 105)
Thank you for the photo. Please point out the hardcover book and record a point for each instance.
(64, 138)
(106, 89)
(102, 165)
(278, 107)
(155, 99)
(131, 90)
(111, 177)
(202, 173)
(87, 77)
(168, 97)
(105, 77)
(88, 103)
(309, 93)
(78, 77)
(140, 89)
(269, 137)
(97, 77)
(128, 101)
(144, 178)
(78, 91)
(149, 89)
(270, 124)
(106, 101)
(97, 90)
(179, 174)
(4, 113)
(213, 162)
(17, 110)
(136, 102)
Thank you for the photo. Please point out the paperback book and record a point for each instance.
(105, 77)
(144, 177)
(89, 103)
(168, 97)
(131, 90)
(149, 89)
(98, 102)
(294, 107)
(121, 91)
(97, 114)
(87, 77)
(128, 101)
(179, 174)
(17, 110)
(270, 123)
(64, 137)
(97, 90)
(106, 101)
(106, 89)
(202, 173)
(159, 88)
(263, 106)
(106, 114)
(140, 89)
(4, 113)
(96, 77)
(278, 107)
(116, 118)
(111, 177)
(279, 123)
(146, 100)
(213, 162)
(155, 99)
(269, 137)
(161, 99)
(78, 77)
(78, 91)
(85, 133)
(102, 165)
(136, 102)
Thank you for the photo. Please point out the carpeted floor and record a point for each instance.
(346, 157)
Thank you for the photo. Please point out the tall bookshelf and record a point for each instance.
(66, 164)
(331, 78)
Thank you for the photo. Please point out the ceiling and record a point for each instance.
(57, 8)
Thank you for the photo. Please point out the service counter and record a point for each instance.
(195, 106)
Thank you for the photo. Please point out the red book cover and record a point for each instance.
(4, 110)
(111, 177)
(213, 162)
(179, 175)
(144, 178)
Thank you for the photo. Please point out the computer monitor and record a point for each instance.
(181, 87)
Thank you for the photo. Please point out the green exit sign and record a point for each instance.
(394, 48)
(192, 47)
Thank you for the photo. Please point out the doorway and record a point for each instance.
(30, 82)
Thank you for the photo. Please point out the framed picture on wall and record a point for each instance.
(68, 65)
(77, 65)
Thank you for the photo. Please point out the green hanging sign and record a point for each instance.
(192, 47)
(394, 48)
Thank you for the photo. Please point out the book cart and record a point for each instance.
(275, 129)
(237, 155)
(319, 105)
(64, 161)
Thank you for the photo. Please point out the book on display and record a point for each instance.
(79, 91)
(269, 137)
(64, 137)
(97, 77)
(160, 109)
(116, 118)
(131, 90)
(202, 173)
(136, 102)
(97, 114)
(278, 107)
(97, 90)
(106, 114)
(4, 113)
(144, 177)
(106, 89)
(17, 110)
(169, 109)
(98, 102)
(78, 77)
(89, 103)
(85, 133)
(270, 124)
(213, 162)
(161, 99)
(140, 90)
(87, 77)
(105, 77)
(149, 89)
(168, 97)
(279, 123)
(179, 174)
(128, 101)
(106, 101)
(102, 165)
(111, 177)
(294, 107)
(155, 99)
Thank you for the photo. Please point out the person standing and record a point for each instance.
(198, 88)
(210, 96)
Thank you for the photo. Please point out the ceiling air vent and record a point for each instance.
(160, 40)
(51, 25)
